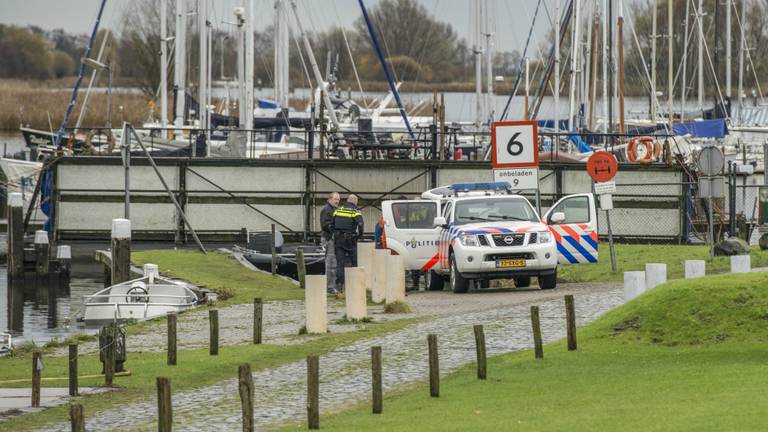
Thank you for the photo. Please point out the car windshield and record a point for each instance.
(493, 210)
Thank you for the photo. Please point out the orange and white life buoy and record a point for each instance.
(643, 149)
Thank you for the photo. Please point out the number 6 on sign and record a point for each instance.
(515, 144)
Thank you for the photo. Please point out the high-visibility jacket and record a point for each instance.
(348, 219)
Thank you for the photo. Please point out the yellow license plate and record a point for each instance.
(510, 263)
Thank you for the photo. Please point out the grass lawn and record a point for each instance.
(632, 257)
(195, 368)
(689, 355)
(218, 272)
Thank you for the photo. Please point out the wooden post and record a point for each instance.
(246, 389)
(164, 406)
(301, 268)
(313, 392)
(107, 276)
(376, 384)
(213, 319)
(536, 325)
(442, 126)
(73, 369)
(482, 367)
(258, 309)
(274, 251)
(110, 346)
(434, 366)
(15, 235)
(171, 339)
(121, 250)
(37, 365)
(570, 320)
(42, 253)
(76, 418)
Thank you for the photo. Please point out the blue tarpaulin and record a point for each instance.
(702, 129)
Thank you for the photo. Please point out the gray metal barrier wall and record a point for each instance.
(221, 196)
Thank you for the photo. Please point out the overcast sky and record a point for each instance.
(512, 17)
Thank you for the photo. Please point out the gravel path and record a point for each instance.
(345, 372)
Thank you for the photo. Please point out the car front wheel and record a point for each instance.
(459, 284)
(548, 282)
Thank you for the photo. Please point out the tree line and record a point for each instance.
(418, 47)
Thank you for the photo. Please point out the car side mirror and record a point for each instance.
(557, 217)
(439, 222)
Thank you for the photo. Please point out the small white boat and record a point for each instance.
(6, 346)
(144, 298)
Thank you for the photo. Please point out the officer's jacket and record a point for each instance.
(348, 219)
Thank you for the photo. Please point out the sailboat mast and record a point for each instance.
(700, 53)
(489, 32)
(685, 62)
(654, 36)
(315, 68)
(179, 64)
(742, 47)
(574, 66)
(557, 67)
(478, 51)
(282, 52)
(164, 64)
(671, 56)
(620, 43)
(728, 54)
(202, 108)
(246, 110)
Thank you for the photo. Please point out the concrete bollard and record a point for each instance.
(395, 288)
(15, 235)
(64, 257)
(740, 264)
(378, 290)
(634, 284)
(316, 304)
(121, 250)
(365, 261)
(695, 268)
(655, 275)
(42, 253)
(354, 292)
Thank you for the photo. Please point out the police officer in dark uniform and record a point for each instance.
(347, 230)
(326, 223)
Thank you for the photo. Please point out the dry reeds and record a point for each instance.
(41, 105)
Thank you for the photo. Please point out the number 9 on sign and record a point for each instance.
(515, 144)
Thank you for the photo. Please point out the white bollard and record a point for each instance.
(378, 290)
(695, 269)
(655, 275)
(395, 290)
(740, 264)
(354, 293)
(634, 284)
(316, 304)
(41, 237)
(365, 261)
(151, 271)
(63, 252)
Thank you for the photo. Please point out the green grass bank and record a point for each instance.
(633, 257)
(689, 355)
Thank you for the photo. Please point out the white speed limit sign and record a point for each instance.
(515, 144)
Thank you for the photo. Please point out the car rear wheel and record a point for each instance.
(523, 282)
(459, 284)
(548, 282)
(436, 282)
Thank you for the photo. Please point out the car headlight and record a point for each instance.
(469, 240)
(544, 236)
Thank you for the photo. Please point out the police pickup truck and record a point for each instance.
(484, 231)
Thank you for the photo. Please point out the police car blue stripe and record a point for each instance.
(589, 240)
(564, 252)
(579, 248)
